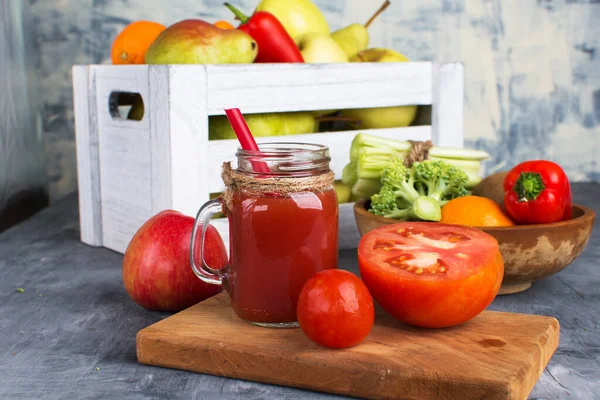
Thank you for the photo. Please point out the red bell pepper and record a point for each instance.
(537, 192)
(275, 45)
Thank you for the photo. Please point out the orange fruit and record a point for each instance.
(130, 45)
(474, 211)
(224, 25)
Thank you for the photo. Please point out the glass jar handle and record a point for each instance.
(204, 271)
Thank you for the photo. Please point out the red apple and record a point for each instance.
(156, 266)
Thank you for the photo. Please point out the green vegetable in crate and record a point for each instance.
(370, 155)
(381, 117)
(417, 193)
(265, 124)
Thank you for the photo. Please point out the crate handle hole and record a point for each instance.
(126, 106)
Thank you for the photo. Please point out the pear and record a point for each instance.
(381, 117)
(264, 124)
(136, 112)
(343, 192)
(378, 54)
(298, 17)
(194, 41)
(355, 37)
(320, 48)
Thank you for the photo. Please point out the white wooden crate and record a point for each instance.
(130, 170)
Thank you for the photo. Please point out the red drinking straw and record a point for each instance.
(238, 123)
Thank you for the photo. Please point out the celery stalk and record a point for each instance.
(364, 140)
(465, 165)
(458, 153)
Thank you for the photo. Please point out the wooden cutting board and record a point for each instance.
(496, 355)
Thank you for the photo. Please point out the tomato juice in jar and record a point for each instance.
(283, 228)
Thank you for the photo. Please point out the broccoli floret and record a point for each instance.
(442, 181)
(418, 192)
(400, 179)
(387, 204)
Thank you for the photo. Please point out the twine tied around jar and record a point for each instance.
(418, 152)
(257, 186)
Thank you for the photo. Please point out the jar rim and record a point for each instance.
(278, 149)
(286, 158)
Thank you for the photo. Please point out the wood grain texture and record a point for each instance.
(88, 164)
(125, 157)
(190, 152)
(156, 105)
(447, 124)
(494, 356)
(296, 87)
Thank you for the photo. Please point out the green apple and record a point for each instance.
(264, 124)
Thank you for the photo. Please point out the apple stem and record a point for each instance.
(381, 9)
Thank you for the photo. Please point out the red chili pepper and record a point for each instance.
(537, 192)
(274, 43)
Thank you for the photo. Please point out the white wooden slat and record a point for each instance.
(292, 87)
(125, 158)
(124, 220)
(160, 138)
(126, 184)
(121, 78)
(88, 167)
(190, 163)
(338, 143)
(447, 117)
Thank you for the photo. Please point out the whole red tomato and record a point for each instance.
(537, 192)
(335, 309)
(156, 265)
(431, 275)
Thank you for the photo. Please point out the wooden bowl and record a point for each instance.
(530, 252)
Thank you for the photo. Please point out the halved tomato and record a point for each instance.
(430, 274)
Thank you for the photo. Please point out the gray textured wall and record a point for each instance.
(22, 162)
(533, 73)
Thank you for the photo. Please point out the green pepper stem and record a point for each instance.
(242, 17)
(529, 185)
